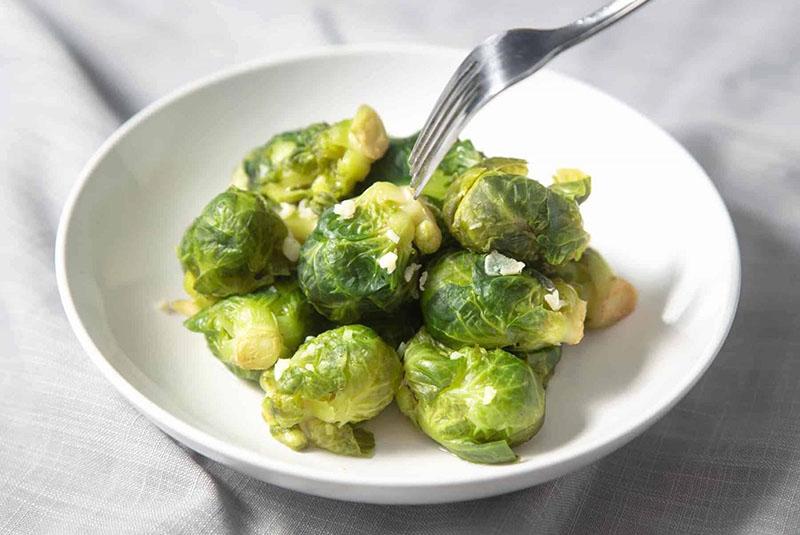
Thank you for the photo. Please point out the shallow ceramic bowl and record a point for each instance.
(653, 212)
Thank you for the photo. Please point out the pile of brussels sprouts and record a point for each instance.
(320, 276)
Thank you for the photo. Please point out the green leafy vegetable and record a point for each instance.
(394, 166)
(321, 163)
(572, 184)
(235, 246)
(341, 377)
(493, 301)
(362, 257)
(494, 206)
(475, 402)
(462, 298)
(543, 362)
(248, 333)
(608, 298)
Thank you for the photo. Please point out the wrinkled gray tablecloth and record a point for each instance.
(722, 76)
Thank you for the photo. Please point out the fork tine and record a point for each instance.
(449, 124)
(440, 150)
(457, 100)
(502, 60)
(446, 133)
(433, 131)
(464, 70)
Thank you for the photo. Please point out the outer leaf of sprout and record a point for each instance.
(340, 377)
(609, 298)
(321, 163)
(394, 167)
(354, 263)
(248, 333)
(463, 305)
(344, 440)
(493, 206)
(543, 362)
(572, 184)
(233, 247)
(477, 403)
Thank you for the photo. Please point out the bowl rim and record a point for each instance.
(518, 475)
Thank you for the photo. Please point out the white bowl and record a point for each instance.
(653, 212)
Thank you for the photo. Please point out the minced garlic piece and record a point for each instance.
(280, 367)
(286, 209)
(422, 280)
(345, 209)
(495, 264)
(408, 274)
(291, 248)
(388, 262)
(392, 235)
(554, 301)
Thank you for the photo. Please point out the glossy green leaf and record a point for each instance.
(248, 333)
(341, 377)
(494, 206)
(477, 403)
(572, 184)
(321, 163)
(543, 362)
(235, 246)
(468, 301)
(362, 258)
(609, 298)
(343, 440)
(394, 166)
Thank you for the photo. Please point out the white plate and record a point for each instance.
(653, 212)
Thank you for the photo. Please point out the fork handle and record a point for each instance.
(583, 28)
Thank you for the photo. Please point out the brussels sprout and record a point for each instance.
(608, 298)
(394, 166)
(235, 246)
(475, 402)
(250, 332)
(341, 377)
(493, 205)
(362, 257)
(572, 183)
(543, 362)
(494, 301)
(321, 163)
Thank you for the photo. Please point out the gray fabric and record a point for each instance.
(722, 76)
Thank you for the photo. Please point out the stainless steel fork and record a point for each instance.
(496, 64)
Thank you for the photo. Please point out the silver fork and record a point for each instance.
(496, 64)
